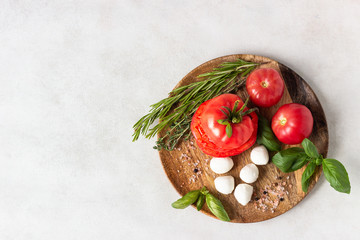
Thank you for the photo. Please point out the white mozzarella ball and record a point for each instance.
(249, 173)
(243, 193)
(224, 184)
(221, 165)
(259, 155)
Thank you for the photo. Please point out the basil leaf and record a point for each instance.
(216, 207)
(200, 202)
(335, 173)
(290, 159)
(186, 200)
(299, 163)
(306, 176)
(310, 148)
(265, 135)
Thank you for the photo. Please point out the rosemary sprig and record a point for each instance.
(175, 112)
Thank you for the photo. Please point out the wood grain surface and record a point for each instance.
(187, 167)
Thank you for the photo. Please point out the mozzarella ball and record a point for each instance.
(259, 155)
(243, 193)
(221, 165)
(224, 184)
(249, 173)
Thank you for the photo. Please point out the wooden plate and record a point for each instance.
(275, 192)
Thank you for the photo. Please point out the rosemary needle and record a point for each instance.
(175, 112)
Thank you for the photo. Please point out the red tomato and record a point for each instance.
(265, 87)
(292, 123)
(212, 137)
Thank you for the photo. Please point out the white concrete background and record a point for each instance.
(76, 75)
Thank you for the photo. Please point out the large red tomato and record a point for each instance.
(265, 87)
(292, 123)
(222, 128)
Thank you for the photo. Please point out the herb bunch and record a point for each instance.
(200, 197)
(294, 158)
(175, 112)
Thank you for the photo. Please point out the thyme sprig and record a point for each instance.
(175, 112)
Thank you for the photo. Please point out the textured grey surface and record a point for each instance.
(75, 76)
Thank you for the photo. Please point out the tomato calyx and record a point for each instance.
(264, 84)
(283, 121)
(234, 116)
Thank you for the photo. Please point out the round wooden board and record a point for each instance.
(187, 167)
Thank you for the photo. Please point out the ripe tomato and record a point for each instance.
(211, 123)
(292, 123)
(265, 87)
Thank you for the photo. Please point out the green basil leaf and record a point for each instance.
(186, 200)
(200, 202)
(335, 173)
(265, 135)
(290, 159)
(299, 163)
(306, 177)
(216, 207)
(310, 148)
